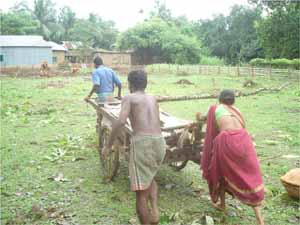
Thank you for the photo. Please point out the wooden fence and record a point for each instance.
(222, 70)
(165, 69)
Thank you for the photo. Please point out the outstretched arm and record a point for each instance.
(119, 91)
(96, 85)
(95, 88)
(117, 82)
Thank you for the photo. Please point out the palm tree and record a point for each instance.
(45, 13)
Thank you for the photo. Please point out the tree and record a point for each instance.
(158, 40)
(18, 23)
(244, 43)
(45, 13)
(213, 34)
(21, 6)
(94, 31)
(279, 33)
(161, 11)
(231, 37)
(67, 19)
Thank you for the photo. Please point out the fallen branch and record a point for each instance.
(209, 96)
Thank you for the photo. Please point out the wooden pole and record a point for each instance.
(210, 96)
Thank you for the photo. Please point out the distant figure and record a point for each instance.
(75, 69)
(229, 160)
(148, 146)
(104, 80)
(45, 69)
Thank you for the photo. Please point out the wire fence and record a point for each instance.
(166, 69)
(222, 70)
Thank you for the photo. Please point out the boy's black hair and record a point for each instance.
(227, 97)
(138, 79)
(98, 61)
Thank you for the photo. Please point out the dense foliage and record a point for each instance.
(267, 29)
(276, 63)
(164, 41)
(59, 26)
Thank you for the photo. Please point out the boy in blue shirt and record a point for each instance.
(104, 80)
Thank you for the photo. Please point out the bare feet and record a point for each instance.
(219, 207)
(259, 218)
(154, 216)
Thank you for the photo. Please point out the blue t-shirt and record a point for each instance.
(106, 78)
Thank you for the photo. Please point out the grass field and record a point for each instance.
(50, 172)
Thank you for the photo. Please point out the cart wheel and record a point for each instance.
(178, 165)
(111, 164)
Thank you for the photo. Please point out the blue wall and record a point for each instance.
(18, 56)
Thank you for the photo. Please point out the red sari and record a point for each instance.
(229, 157)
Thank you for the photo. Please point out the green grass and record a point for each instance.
(47, 130)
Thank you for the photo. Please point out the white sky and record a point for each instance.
(125, 13)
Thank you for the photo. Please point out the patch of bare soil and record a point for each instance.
(182, 73)
(184, 81)
(249, 83)
(52, 84)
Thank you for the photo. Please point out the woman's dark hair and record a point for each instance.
(227, 97)
(98, 61)
(138, 79)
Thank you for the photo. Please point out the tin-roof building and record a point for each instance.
(19, 50)
(59, 53)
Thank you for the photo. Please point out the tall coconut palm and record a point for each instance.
(45, 13)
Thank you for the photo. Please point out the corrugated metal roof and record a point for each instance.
(57, 47)
(23, 41)
(100, 50)
(70, 45)
(74, 45)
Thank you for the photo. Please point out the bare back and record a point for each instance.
(143, 112)
(234, 121)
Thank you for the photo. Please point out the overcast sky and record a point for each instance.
(126, 13)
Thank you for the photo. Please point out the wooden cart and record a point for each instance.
(184, 138)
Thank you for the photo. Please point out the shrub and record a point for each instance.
(258, 62)
(281, 63)
(276, 63)
(296, 63)
(211, 60)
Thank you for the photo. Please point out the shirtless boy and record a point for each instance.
(147, 145)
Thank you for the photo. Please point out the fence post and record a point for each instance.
(219, 70)
(200, 69)
(270, 72)
(252, 72)
(238, 70)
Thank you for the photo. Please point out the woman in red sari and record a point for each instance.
(229, 162)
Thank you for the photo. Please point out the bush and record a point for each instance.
(281, 63)
(296, 64)
(276, 63)
(259, 62)
(211, 60)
